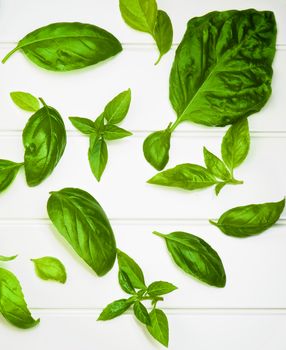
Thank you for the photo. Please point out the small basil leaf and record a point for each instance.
(196, 257)
(7, 258)
(250, 219)
(141, 313)
(44, 139)
(80, 219)
(219, 187)
(25, 101)
(132, 270)
(187, 176)
(115, 111)
(97, 155)
(113, 132)
(99, 124)
(159, 328)
(50, 268)
(163, 33)
(8, 172)
(216, 166)
(67, 46)
(160, 288)
(156, 148)
(235, 144)
(125, 282)
(114, 309)
(84, 125)
(12, 303)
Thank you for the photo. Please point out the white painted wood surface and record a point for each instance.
(250, 312)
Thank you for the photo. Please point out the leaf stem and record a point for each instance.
(158, 234)
(9, 54)
(43, 102)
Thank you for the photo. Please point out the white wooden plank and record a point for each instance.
(85, 92)
(30, 15)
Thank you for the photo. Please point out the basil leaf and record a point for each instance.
(115, 309)
(216, 166)
(25, 101)
(67, 46)
(80, 219)
(156, 148)
(12, 303)
(163, 33)
(8, 172)
(7, 258)
(159, 328)
(219, 187)
(196, 257)
(97, 155)
(187, 176)
(125, 282)
(84, 125)
(235, 144)
(132, 270)
(50, 268)
(250, 219)
(115, 111)
(99, 124)
(44, 139)
(160, 288)
(113, 132)
(141, 313)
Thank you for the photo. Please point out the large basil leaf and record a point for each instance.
(115, 309)
(50, 268)
(25, 101)
(12, 303)
(8, 172)
(44, 139)
(80, 219)
(249, 220)
(163, 33)
(159, 327)
(97, 155)
(67, 46)
(196, 257)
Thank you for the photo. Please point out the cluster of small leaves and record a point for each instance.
(104, 129)
(131, 280)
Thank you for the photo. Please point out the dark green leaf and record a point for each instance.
(159, 328)
(7, 258)
(141, 313)
(216, 166)
(163, 33)
(25, 101)
(44, 139)
(115, 111)
(12, 303)
(113, 132)
(187, 176)
(132, 270)
(161, 288)
(97, 155)
(67, 46)
(196, 257)
(84, 125)
(156, 148)
(50, 268)
(250, 219)
(115, 309)
(80, 219)
(125, 282)
(8, 172)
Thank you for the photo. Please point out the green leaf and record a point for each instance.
(113, 132)
(187, 176)
(139, 14)
(219, 187)
(115, 309)
(163, 33)
(156, 148)
(67, 46)
(7, 258)
(196, 257)
(99, 124)
(25, 101)
(12, 303)
(8, 172)
(161, 288)
(125, 282)
(141, 313)
(132, 270)
(44, 139)
(84, 125)
(80, 219)
(159, 328)
(97, 155)
(216, 166)
(115, 111)
(250, 219)
(235, 144)
(50, 268)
